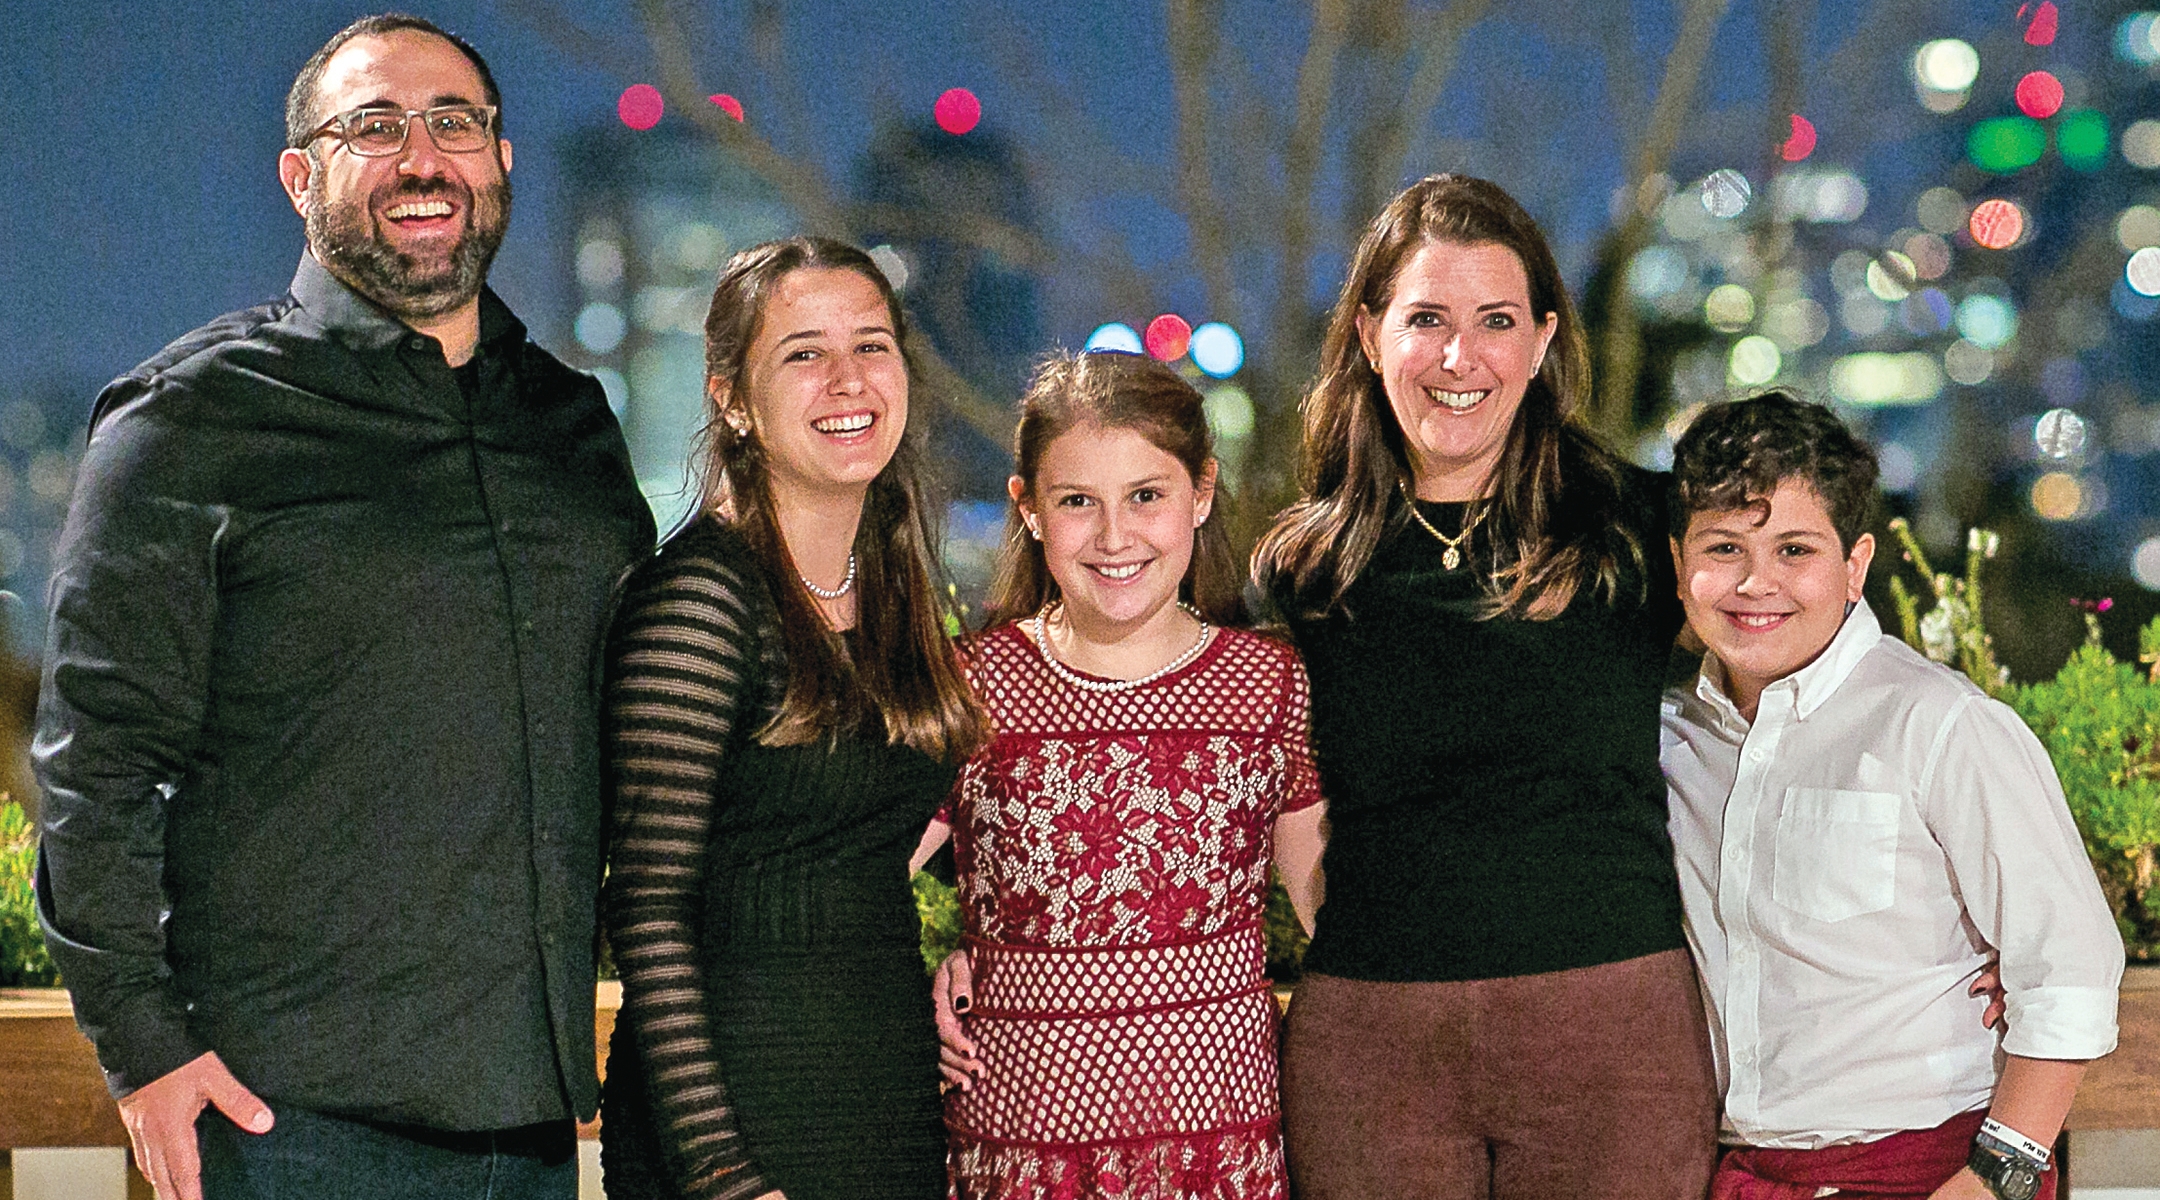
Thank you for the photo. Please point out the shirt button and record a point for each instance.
(417, 342)
(1755, 756)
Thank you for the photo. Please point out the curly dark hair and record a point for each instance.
(1736, 452)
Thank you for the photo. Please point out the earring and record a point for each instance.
(1034, 530)
(737, 422)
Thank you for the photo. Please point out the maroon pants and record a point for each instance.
(1592, 1082)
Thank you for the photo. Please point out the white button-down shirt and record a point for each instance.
(1849, 862)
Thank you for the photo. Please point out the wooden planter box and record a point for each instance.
(53, 1094)
(2122, 1091)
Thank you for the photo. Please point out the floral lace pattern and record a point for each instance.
(1113, 852)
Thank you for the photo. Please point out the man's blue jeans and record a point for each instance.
(315, 1156)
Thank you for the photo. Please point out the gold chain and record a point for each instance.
(1451, 558)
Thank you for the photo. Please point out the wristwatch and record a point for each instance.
(2010, 1173)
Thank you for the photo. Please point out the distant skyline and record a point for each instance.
(142, 151)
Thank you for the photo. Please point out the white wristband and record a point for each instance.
(2015, 1140)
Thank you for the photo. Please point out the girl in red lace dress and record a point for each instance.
(1113, 843)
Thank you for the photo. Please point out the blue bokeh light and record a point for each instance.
(1217, 349)
(1115, 336)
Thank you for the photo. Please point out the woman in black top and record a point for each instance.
(1498, 1000)
(783, 717)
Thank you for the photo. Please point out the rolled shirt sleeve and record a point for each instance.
(134, 605)
(1994, 803)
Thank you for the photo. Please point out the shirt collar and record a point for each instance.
(359, 324)
(1812, 684)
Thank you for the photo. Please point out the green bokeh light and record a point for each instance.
(2005, 144)
(2082, 139)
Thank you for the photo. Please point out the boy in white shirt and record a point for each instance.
(1859, 831)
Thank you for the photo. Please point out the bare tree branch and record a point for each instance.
(1612, 405)
(1193, 36)
(1437, 52)
(1301, 167)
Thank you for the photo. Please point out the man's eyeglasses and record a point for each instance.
(381, 132)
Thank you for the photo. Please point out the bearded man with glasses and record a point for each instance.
(319, 730)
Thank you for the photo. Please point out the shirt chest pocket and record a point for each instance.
(1837, 852)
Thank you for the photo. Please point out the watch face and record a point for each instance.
(2017, 1182)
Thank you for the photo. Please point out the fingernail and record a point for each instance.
(259, 1123)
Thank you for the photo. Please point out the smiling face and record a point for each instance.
(1116, 514)
(1767, 596)
(413, 231)
(1455, 350)
(823, 383)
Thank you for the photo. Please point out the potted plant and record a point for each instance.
(2100, 721)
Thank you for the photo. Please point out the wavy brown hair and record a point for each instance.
(1110, 390)
(902, 670)
(1555, 499)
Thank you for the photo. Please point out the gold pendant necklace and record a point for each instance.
(1451, 557)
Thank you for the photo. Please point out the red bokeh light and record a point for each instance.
(1801, 143)
(640, 106)
(728, 104)
(2041, 31)
(2039, 95)
(957, 111)
(1167, 337)
(1997, 224)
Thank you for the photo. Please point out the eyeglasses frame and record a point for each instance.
(341, 123)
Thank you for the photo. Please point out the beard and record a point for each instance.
(346, 237)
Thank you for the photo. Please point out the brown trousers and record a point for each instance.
(1594, 1082)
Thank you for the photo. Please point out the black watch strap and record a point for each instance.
(2008, 1173)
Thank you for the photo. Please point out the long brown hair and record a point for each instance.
(1109, 390)
(903, 669)
(1354, 461)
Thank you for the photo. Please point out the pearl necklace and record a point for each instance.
(1451, 558)
(846, 585)
(1059, 669)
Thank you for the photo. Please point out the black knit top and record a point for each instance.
(759, 910)
(1492, 785)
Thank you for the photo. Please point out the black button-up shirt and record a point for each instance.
(318, 733)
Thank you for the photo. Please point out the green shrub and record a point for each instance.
(24, 961)
(939, 907)
(2098, 718)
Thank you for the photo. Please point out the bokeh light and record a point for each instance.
(2145, 564)
(1725, 193)
(1218, 350)
(1167, 337)
(1897, 469)
(957, 111)
(2005, 144)
(1656, 272)
(1116, 336)
(1987, 321)
(2134, 40)
(2057, 496)
(2141, 144)
(1862, 314)
(2040, 30)
(1926, 312)
(1967, 363)
(728, 104)
(1795, 324)
(2137, 227)
(1946, 65)
(2059, 433)
(1942, 210)
(2131, 306)
(1997, 224)
(2039, 95)
(1229, 412)
(2142, 272)
(2081, 137)
(1801, 143)
(1729, 308)
(1930, 255)
(600, 327)
(1873, 379)
(1826, 197)
(1891, 277)
(1755, 361)
(893, 263)
(640, 106)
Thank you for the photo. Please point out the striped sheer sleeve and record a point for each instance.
(682, 666)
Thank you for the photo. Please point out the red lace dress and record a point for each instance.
(1113, 853)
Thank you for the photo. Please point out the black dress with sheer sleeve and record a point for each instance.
(776, 1029)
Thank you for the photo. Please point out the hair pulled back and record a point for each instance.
(1111, 390)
